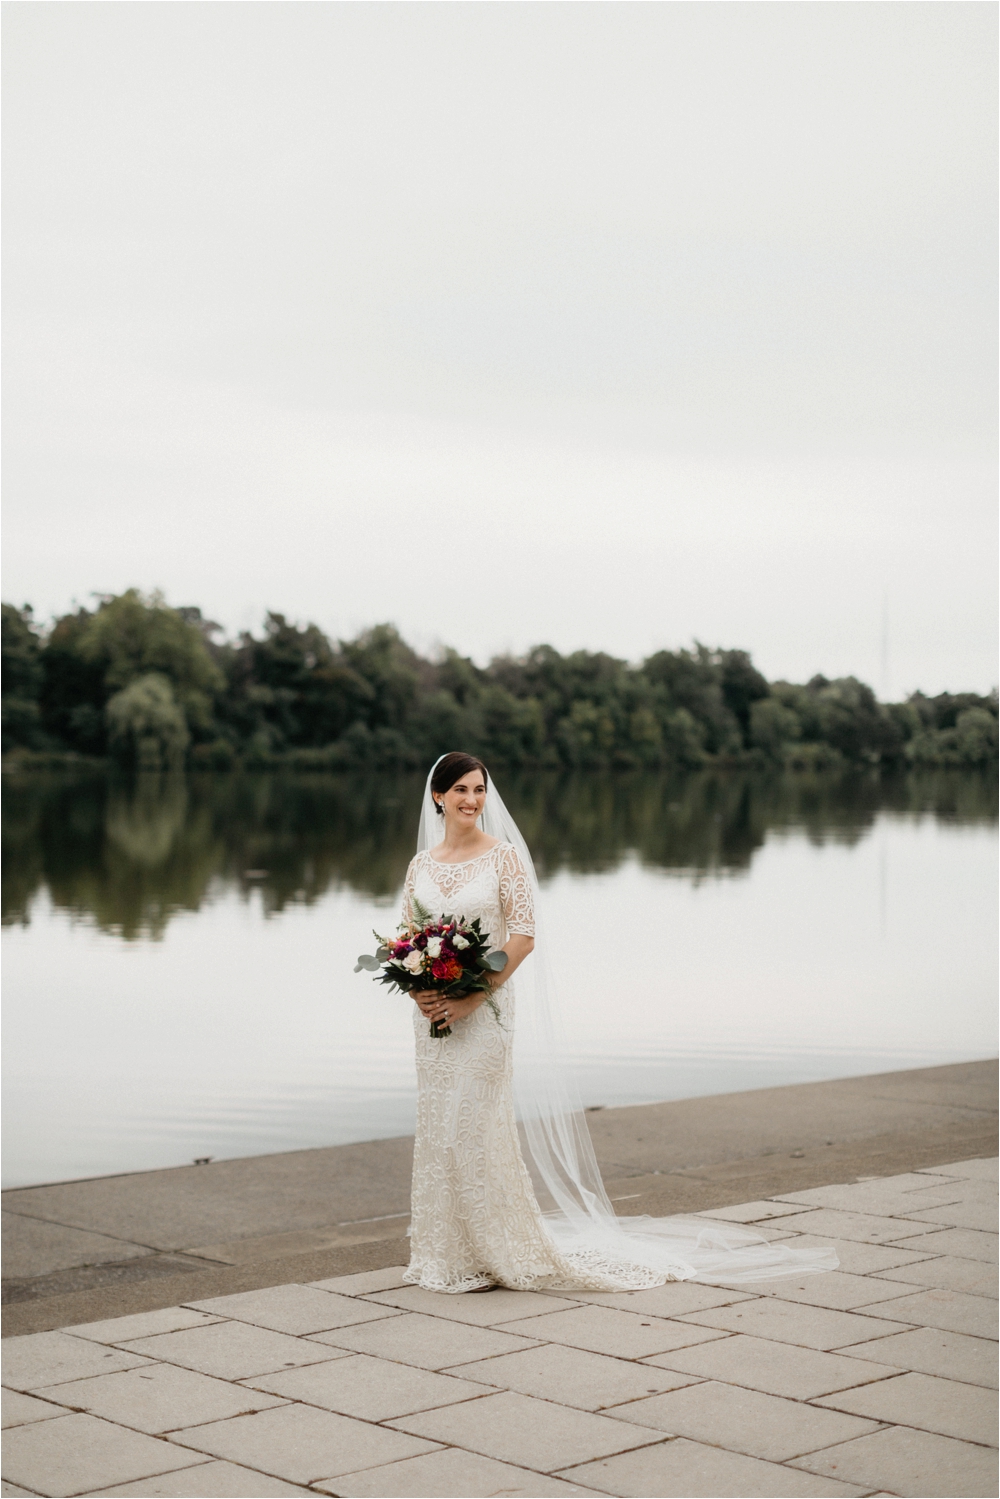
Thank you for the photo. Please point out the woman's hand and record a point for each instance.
(441, 1008)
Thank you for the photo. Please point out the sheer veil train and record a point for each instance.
(556, 1143)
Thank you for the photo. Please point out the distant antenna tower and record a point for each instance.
(884, 674)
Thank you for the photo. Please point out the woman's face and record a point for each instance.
(464, 801)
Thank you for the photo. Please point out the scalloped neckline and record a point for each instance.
(461, 863)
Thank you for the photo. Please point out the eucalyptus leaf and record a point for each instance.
(497, 961)
(367, 961)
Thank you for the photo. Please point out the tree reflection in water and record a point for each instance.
(128, 854)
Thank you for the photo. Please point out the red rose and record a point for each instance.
(446, 969)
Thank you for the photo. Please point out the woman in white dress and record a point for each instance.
(476, 1217)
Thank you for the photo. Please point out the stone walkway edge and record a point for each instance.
(876, 1379)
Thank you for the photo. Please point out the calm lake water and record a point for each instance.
(179, 953)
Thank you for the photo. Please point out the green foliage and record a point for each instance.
(971, 741)
(146, 725)
(774, 727)
(152, 684)
(22, 680)
(89, 656)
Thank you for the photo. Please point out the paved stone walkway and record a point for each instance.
(876, 1379)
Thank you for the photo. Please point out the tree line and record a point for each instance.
(154, 687)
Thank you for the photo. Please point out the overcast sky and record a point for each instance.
(609, 325)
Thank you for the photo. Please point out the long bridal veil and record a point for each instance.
(556, 1143)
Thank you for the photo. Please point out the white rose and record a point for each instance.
(434, 947)
(459, 941)
(413, 960)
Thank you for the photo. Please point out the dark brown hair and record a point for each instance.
(451, 768)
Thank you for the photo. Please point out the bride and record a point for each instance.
(506, 1189)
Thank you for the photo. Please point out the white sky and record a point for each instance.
(610, 325)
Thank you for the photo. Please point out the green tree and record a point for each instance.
(146, 724)
(742, 687)
(692, 681)
(89, 656)
(130, 636)
(73, 689)
(773, 727)
(22, 680)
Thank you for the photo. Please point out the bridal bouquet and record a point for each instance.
(451, 956)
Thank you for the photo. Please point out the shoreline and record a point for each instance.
(106, 1246)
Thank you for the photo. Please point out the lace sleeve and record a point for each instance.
(515, 893)
(408, 891)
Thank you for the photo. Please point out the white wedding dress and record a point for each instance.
(475, 1218)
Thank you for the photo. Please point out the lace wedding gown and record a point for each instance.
(475, 1217)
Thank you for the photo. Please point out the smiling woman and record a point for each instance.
(458, 785)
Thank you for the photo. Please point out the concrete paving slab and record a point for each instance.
(774, 1368)
(143, 1325)
(909, 1462)
(670, 1300)
(981, 1216)
(604, 1329)
(836, 1290)
(946, 1273)
(76, 1454)
(573, 1376)
(683, 1469)
(952, 1311)
(210, 1480)
(755, 1212)
(983, 1168)
(161, 1398)
(20, 1410)
(857, 1258)
(363, 1283)
(230, 1350)
(772, 1233)
(372, 1389)
(966, 1189)
(302, 1444)
(952, 1355)
(492, 1308)
(939, 1405)
(527, 1432)
(450, 1474)
(14, 1491)
(34, 1246)
(794, 1322)
(764, 1426)
(964, 1243)
(294, 1309)
(50, 1358)
(868, 1228)
(426, 1342)
(910, 1186)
